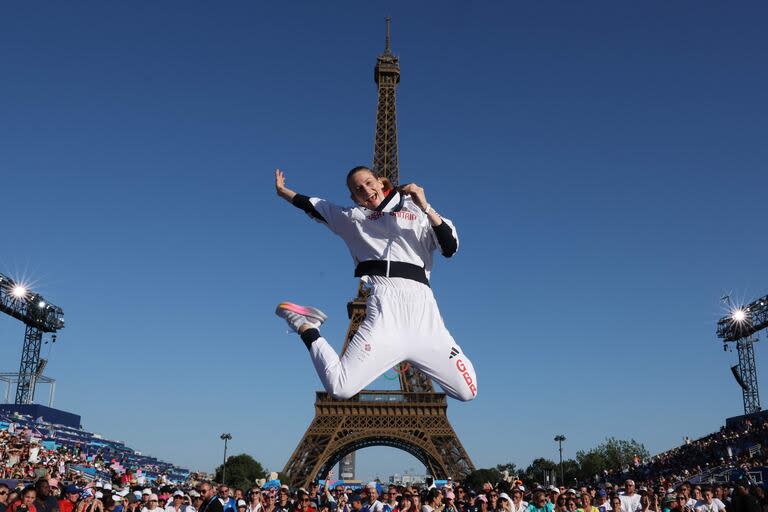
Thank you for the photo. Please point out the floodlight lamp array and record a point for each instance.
(17, 300)
(743, 321)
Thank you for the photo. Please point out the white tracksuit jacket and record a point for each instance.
(392, 249)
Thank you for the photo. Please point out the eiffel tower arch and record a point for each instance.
(413, 422)
(413, 419)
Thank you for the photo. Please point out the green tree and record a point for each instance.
(242, 471)
(613, 454)
(478, 477)
(539, 470)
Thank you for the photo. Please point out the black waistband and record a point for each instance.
(396, 269)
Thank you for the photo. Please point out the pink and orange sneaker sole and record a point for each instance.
(297, 315)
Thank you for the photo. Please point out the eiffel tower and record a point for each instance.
(414, 418)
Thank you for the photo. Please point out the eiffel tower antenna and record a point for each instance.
(386, 74)
(387, 48)
(413, 419)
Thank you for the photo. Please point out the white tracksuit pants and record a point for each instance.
(402, 323)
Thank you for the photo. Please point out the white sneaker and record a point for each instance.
(296, 315)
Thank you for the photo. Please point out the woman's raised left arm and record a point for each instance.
(445, 233)
(417, 194)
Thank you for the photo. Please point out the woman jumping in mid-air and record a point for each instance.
(391, 234)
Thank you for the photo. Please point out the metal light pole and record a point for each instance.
(560, 438)
(226, 437)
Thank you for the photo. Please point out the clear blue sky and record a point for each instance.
(605, 163)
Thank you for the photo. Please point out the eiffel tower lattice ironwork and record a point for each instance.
(412, 419)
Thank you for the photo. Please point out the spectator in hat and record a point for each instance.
(177, 503)
(117, 504)
(602, 503)
(192, 501)
(504, 503)
(449, 501)
(153, 504)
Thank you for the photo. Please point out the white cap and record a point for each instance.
(107, 487)
(241, 503)
(370, 484)
(146, 491)
(178, 493)
(505, 496)
(153, 497)
(117, 498)
(99, 495)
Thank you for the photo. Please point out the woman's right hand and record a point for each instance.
(280, 187)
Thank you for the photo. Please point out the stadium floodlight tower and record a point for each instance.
(40, 316)
(740, 327)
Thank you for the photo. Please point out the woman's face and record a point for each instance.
(29, 498)
(367, 190)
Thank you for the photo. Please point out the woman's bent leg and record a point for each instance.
(434, 351)
(453, 370)
(369, 354)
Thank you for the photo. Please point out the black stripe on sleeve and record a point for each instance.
(448, 244)
(303, 203)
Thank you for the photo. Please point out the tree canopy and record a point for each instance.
(611, 455)
(242, 471)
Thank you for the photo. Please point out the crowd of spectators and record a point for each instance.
(40, 480)
(738, 446)
(25, 456)
(504, 497)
